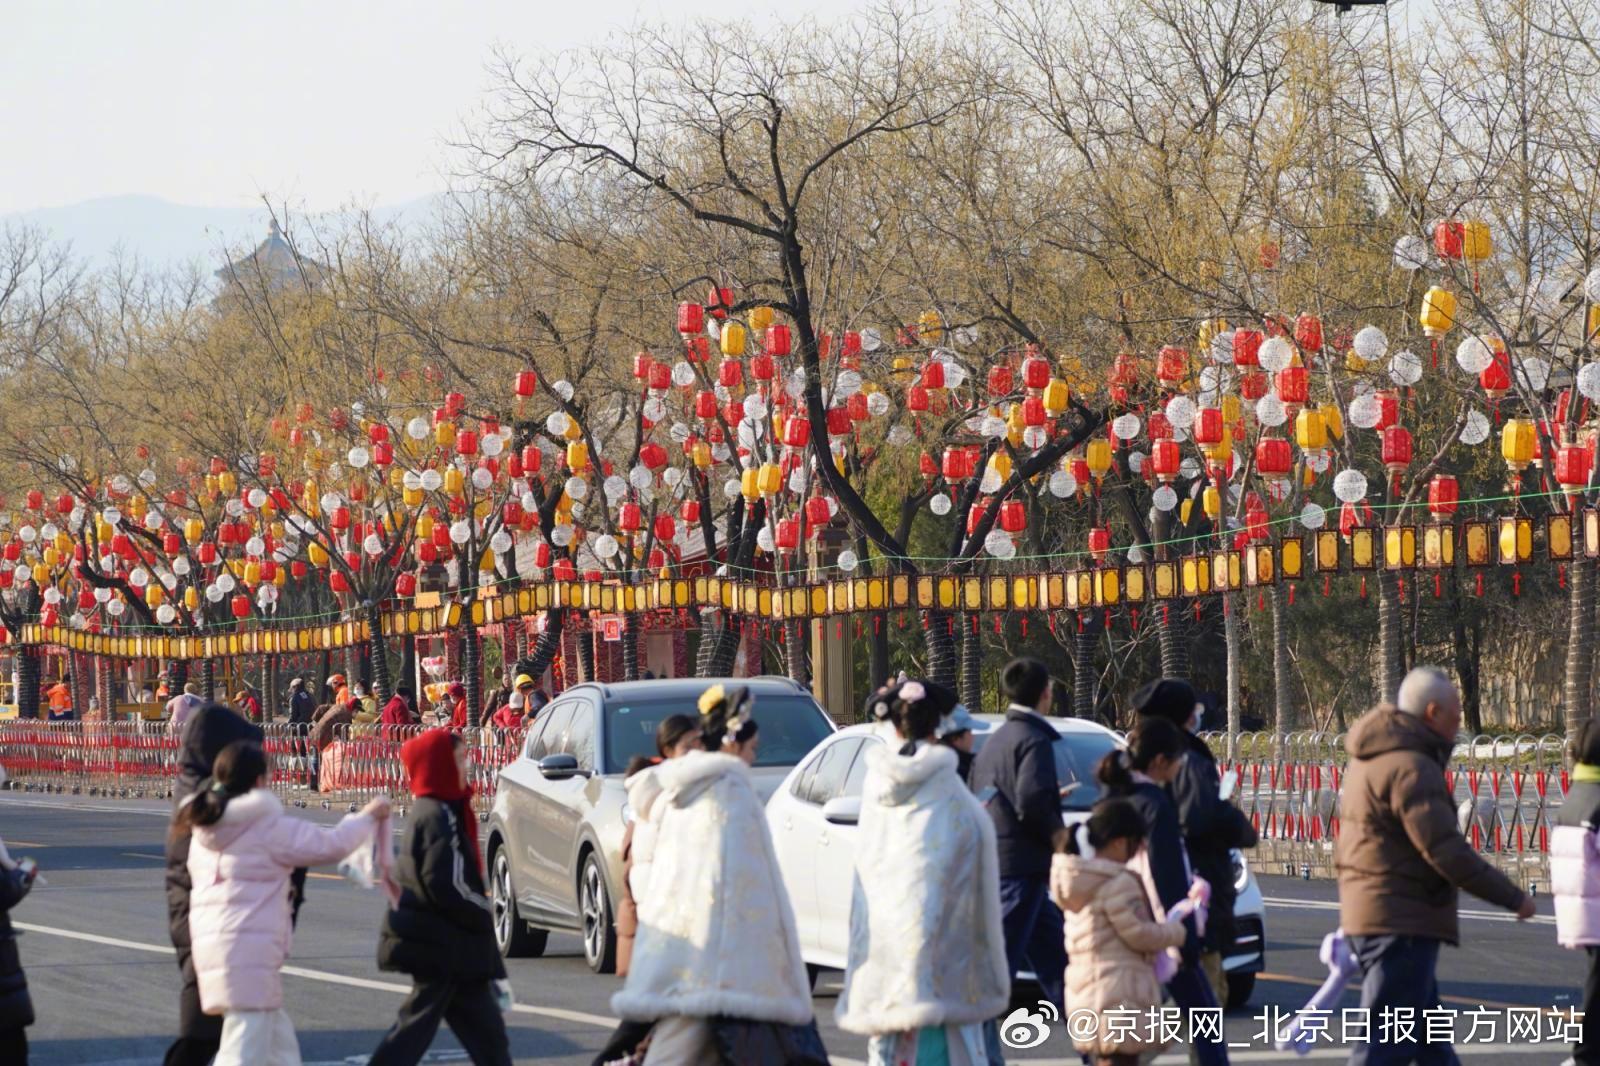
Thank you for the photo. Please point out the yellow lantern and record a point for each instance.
(1476, 243)
(424, 527)
(252, 573)
(444, 434)
(103, 531)
(191, 597)
(573, 430)
(750, 483)
(701, 454)
(1185, 509)
(577, 456)
(411, 497)
(901, 363)
(486, 564)
(1221, 451)
(1517, 439)
(193, 530)
(1310, 431)
(1000, 463)
(1594, 321)
(1097, 453)
(760, 318)
(280, 576)
(770, 479)
(1334, 421)
(733, 337)
(1354, 363)
(1056, 397)
(63, 542)
(1211, 501)
(317, 554)
(51, 558)
(1209, 329)
(930, 327)
(454, 481)
(1438, 311)
(153, 594)
(1232, 409)
(138, 508)
(227, 483)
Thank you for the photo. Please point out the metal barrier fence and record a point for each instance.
(1506, 791)
(140, 760)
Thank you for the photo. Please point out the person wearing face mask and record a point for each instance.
(1211, 825)
(1401, 858)
(1140, 773)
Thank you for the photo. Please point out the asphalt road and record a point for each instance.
(104, 982)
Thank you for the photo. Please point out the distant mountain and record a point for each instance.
(168, 235)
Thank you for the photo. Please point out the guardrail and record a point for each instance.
(1506, 791)
(132, 760)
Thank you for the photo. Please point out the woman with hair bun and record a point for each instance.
(716, 965)
(927, 973)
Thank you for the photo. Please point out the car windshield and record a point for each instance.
(1077, 754)
(791, 725)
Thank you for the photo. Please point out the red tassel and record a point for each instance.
(1197, 610)
(1051, 619)
(996, 624)
(974, 625)
(877, 624)
(1479, 584)
(1291, 595)
(1516, 583)
(1024, 625)
(1400, 583)
(1166, 615)
(1133, 613)
(1080, 623)
(1108, 618)
(1436, 353)
(1327, 585)
(838, 630)
(858, 629)
(1261, 601)
(1438, 586)
(1561, 576)
(1363, 587)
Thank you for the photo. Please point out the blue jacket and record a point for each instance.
(1019, 763)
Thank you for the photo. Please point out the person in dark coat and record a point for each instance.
(301, 703)
(1141, 773)
(1015, 774)
(441, 931)
(209, 729)
(1211, 825)
(955, 732)
(16, 1007)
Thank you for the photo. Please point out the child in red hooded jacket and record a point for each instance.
(441, 931)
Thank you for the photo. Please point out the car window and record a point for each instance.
(801, 786)
(858, 769)
(1077, 755)
(791, 725)
(579, 740)
(832, 773)
(535, 737)
(554, 719)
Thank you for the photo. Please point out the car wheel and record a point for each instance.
(1240, 988)
(515, 938)
(599, 932)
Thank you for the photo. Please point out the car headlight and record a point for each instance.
(1241, 872)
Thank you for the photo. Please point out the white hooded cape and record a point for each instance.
(926, 947)
(716, 931)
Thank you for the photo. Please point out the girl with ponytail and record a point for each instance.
(242, 850)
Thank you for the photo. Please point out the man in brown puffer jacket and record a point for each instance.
(1401, 860)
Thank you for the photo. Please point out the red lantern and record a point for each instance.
(1388, 411)
(731, 373)
(35, 500)
(1158, 426)
(1172, 365)
(797, 432)
(382, 454)
(532, 458)
(838, 421)
(690, 511)
(1165, 459)
(1013, 518)
(787, 535)
(641, 365)
(406, 585)
(628, 518)
(527, 382)
(1572, 467)
(1208, 426)
(1308, 333)
(698, 349)
(1033, 413)
(1000, 383)
(564, 570)
(652, 455)
(857, 406)
(1495, 378)
(1247, 347)
(762, 367)
(467, 442)
(1396, 449)
(691, 318)
(719, 301)
(1294, 385)
(1099, 541)
(955, 465)
(1274, 459)
(541, 555)
(660, 377)
(817, 511)
(705, 404)
(933, 375)
(1252, 385)
(778, 340)
(1035, 372)
(665, 527)
(1448, 237)
(1443, 493)
(916, 399)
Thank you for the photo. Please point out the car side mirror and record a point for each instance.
(559, 767)
(842, 810)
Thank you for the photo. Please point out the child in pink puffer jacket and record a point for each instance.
(1575, 876)
(243, 849)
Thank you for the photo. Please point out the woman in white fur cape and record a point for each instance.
(716, 963)
(927, 973)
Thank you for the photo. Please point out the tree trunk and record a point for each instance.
(471, 661)
(878, 651)
(1580, 642)
(971, 663)
(547, 647)
(1085, 682)
(28, 681)
(630, 646)
(585, 642)
(1388, 671)
(1282, 681)
(796, 655)
(706, 650)
(941, 647)
(208, 679)
(1172, 634)
(1233, 638)
(408, 662)
(378, 656)
(269, 687)
(726, 652)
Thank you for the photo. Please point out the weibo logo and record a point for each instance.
(1024, 1028)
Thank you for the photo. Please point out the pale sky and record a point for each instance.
(319, 104)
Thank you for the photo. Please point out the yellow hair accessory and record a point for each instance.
(711, 699)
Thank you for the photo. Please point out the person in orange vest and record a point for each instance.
(60, 697)
(458, 713)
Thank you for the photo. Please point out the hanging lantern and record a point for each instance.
(1000, 380)
(732, 338)
(1476, 243)
(1035, 372)
(1495, 379)
(1055, 397)
(1396, 449)
(1274, 459)
(1013, 518)
(933, 375)
(1165, 459)
(1252, 385)
(1099, 542)
(1443, 495)
(778, 340)
(797, 432)
(1438, 312)
(1447, 239)
(1517, 439)
(1294, 385)
(577, 456)
(786, 537)
(1098, 455)
(1310, 430)
(1172, 365)
(691, 318)
(1208, 425)
(1247, 347)
(628, 517)
(1572, 467)
(916, 399)
(1308, 333)
(818, 513)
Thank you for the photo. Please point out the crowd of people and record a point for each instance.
(966, 874)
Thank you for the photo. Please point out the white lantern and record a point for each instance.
(1276, 354)
(1370, 343)
(1473, 354)
(1312, 516)
(460, 531)
(1410, 253)
(1405, 368)
(1181, 412)
(1476, 429)
(1164, 498)
(848, 561)
(1270, 411)
(939, 504)
(1126, 427)
(1350, 485)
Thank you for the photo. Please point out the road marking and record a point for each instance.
(141, 855)
(100, 807)
(24, 844)
(1355, 986)
(1333, 905)
(600, 1021)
